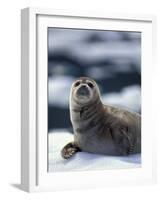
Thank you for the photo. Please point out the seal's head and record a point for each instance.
(84, 90)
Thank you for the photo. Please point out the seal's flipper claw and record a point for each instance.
(69, 150)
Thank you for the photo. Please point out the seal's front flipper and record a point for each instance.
(69, 150)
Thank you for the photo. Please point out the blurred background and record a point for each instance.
(111, 58)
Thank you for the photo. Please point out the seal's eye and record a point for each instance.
(90, 84)
(77, 83)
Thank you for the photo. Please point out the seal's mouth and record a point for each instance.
(83, 91)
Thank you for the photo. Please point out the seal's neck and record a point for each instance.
(80, 111)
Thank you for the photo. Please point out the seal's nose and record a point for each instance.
(83, 90)
(83, 86)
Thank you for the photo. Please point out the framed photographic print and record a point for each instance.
(86, 105)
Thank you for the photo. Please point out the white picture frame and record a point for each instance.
(34, 175)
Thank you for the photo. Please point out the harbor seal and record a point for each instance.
(99, 128)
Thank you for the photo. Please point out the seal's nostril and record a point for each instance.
(83, 86)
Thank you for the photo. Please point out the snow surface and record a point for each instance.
(82, 160)
(59, 87)
(129, 97)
